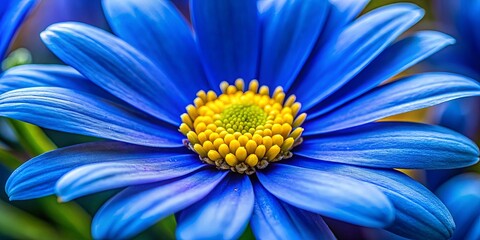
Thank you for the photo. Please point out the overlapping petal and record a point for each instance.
(12, 13)
(37, 177)
(358, 44)
(404, 95)
(347, 10)
(170, 46)
(283, 55)
(138, 207)
(116, 67)
(459, 193)
(96, 177)
(273, 219)
(340, 14)
(223, 214)
(418, 213)
(49, 75)
(86, 114)
(393, 145)
(395, 59)
(228, 34)
(313, 190)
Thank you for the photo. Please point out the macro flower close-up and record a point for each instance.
(267, 114)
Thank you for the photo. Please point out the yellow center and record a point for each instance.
(243, 130)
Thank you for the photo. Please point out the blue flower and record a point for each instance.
(12, 14)
(459, 18)
(246, 152)
(459, 193)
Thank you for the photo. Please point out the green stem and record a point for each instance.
(7, 159)
(18, 224)
(32, 138)
(69, 216)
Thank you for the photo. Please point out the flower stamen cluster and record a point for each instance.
(243, 130)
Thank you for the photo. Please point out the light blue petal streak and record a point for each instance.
(349, 9)
(223, 214)
(356, 46)
(117, 67)
(290, 31)
(418, 213)
(273, 219)
(328, 194)
(163, 35)
(393, 145)
(38, 176)
(395, 59)
(82, 113)
(404, 95)
(49, 75)
(137, 208)
(96, 177)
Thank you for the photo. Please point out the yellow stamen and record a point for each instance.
(243, 128)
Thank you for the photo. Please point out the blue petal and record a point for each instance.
(356, 47)
(404, 95)
(340, 14)
(137, 208)
(291, 29)
(49, 75)
(347, 10)
(273, 219)
(462, 115)
(228, 33)
(102, 176)
(37, 177)
(392, 61)
(467, 22)
(394, 145)
(117, 67)
(458, 193)
(418, 213)
(475, 230)
(224, 214)
(165, 38)
(82, 113)
(12, 13)
(313, 190)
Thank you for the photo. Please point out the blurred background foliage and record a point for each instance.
(46, 218)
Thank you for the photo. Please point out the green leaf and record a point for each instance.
(17, 224)
(248, 234)
(31, 137)
(164, 229)
(7, 159)
(69, 216)
(18, 57)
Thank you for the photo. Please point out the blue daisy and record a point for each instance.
(459, 18)
(457, 193)
(258, 113)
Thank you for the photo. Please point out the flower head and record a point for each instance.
(261, 113)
